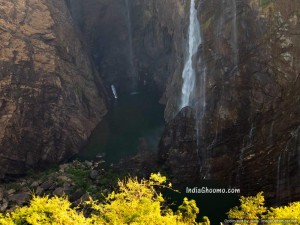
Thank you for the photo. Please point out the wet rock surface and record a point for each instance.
(178, 148)
(248, 114)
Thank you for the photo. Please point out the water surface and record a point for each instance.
(134, 118)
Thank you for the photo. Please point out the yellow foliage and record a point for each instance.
(135, 203)
(46, 211)
(288, 215)
(188, 210)
(252, 209)
(138, 203)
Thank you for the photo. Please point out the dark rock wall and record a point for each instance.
(51, 97)
(106, 30)
(177, 148)
(245, 103)
(157, 35)
(159, 29)
(248, 127)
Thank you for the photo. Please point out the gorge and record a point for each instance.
(226, 73)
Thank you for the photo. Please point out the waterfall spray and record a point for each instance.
(194, 40)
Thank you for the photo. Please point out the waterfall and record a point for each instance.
(114, 91)
(130, 46)
(194, 40)
(189, 83)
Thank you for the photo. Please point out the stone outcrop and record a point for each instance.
(76, 180)
(69, 179)
(51, 97)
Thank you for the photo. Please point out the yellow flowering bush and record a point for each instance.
(289, 215)
(252, 209)
(135, 203)
(45, 211)
(138, 203)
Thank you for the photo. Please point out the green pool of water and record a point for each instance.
(214, 206)
(133, 117)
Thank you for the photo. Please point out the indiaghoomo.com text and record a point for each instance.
(206, 190)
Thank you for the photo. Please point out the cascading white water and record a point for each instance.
(194, 40)
(114, 91)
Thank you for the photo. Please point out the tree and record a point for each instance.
(288, 215)
(250, 209)
(138, 203)
(46, 211)
(135, 203)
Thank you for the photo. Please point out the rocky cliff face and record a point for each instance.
(177, 148)
(106, 27)
(135, 43)
(244, 126)
(159, 28)
(51, 97)
(245, 101)
(248, 116)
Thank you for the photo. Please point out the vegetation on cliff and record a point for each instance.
(253, 211)
(135, 202)
(141, 202)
